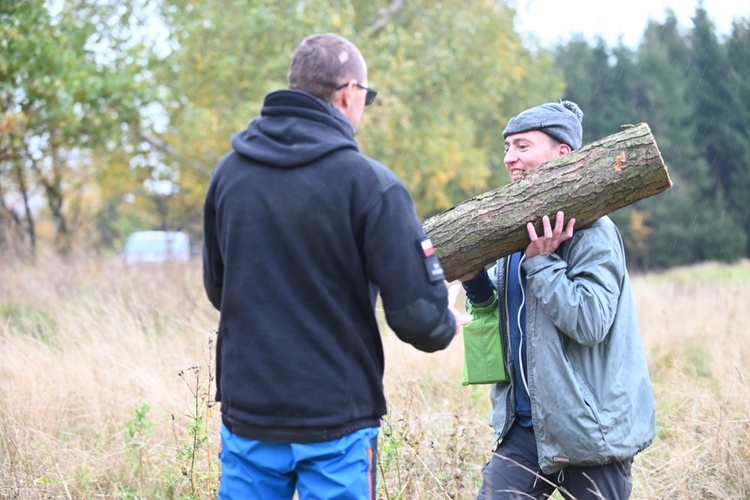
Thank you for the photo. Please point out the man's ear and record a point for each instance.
(564, 149)
(347, 95)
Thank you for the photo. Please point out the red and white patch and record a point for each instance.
(427, 247)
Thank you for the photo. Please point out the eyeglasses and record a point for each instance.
(369, 98)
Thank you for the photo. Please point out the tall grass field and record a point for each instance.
(106, 389)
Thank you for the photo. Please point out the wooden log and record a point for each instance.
(587, 184)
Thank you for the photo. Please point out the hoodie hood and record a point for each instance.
(294, 129)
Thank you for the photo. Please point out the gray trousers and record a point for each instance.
(513, 472)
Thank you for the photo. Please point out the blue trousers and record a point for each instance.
(342, 469)
(513, 473)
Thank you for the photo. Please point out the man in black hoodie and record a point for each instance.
(301, 234)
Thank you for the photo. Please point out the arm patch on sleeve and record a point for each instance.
(431, 261)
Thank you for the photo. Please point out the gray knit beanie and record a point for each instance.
(560, 121)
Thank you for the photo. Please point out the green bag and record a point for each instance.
(484, 362)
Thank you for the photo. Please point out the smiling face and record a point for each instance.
(527, 150)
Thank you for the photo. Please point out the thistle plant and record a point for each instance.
(194, 453)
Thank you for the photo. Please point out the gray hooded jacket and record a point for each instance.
(590, 390)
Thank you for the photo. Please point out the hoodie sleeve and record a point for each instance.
(402, 263)
(213, 265)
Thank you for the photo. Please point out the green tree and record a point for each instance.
(448, 75)
(686, 224)
(212, 82)
(712, 82)
(719, 133)
(70, 91)
(452, 74)
(739, 60)
(689, 222)
(592, 77)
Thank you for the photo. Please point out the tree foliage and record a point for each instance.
(69, 90)
(684, 86)
(448, 74)
(115, 113)
(453, 74)
(738, 50)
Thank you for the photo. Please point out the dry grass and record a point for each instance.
(82, 346)
(91, 404)
(698, 347)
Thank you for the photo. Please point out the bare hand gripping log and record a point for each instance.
(588, 183)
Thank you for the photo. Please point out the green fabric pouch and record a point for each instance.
(484, 362)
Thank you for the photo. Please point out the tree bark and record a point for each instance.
(587, 184)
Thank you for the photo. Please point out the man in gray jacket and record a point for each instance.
(578, 404)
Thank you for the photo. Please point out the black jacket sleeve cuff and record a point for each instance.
(479, 289)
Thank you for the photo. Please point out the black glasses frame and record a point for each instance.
(369, 97)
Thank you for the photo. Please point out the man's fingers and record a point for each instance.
(547, 226)
(453, 292)
(569, 229)
(559, 222)
(532, 231)
(462, 319)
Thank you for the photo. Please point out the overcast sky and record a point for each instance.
(553, 21)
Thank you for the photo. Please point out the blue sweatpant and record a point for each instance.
(342, 469)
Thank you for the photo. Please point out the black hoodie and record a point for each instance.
(301, 232)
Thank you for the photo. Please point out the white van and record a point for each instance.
(156, 246)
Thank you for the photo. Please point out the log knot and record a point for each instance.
(620, 162)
